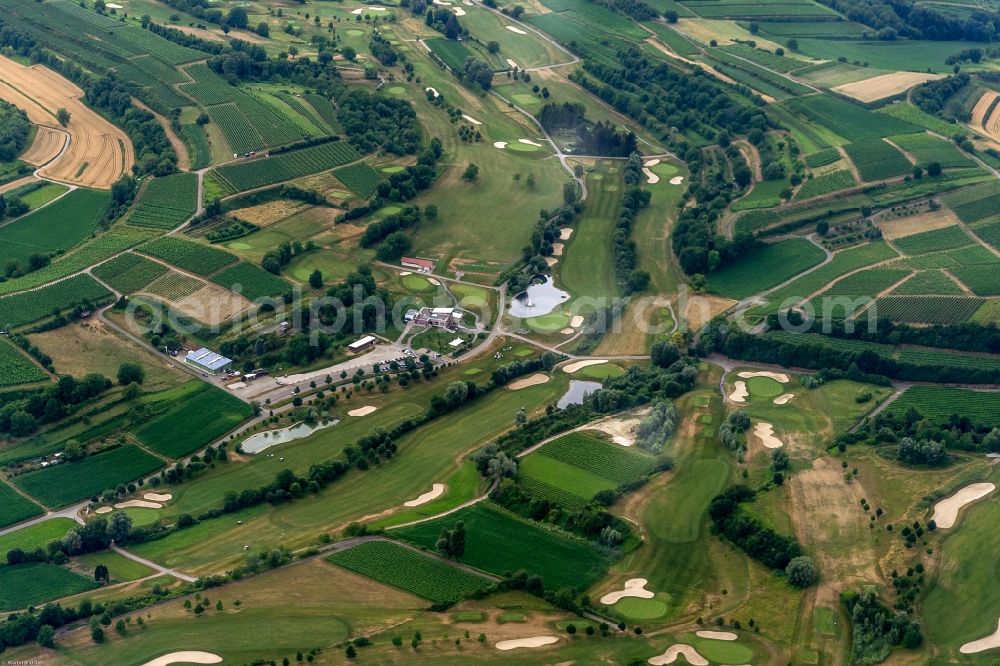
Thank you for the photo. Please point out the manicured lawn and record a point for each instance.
(401, 567)
(35, 583)
(764, 387)
(497, 541)
(641, 609)
(587, 267)
(35, 536)
(195, 422)
(765, 267)
(120, 567)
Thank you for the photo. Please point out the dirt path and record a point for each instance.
(850, 165)
(180, 148)
(14, 184)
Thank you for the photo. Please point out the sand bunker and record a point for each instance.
(158, 497)
(436, 490)
(765, 432)
(512, 63)
(533, 642)
(103, 509)
(573, 367)
(362, 10)
(499, 144)
(432, 90)
(188, 657)
(565, 233)
(551, 261)
(576, 321)
(651, 163)
(533, 380)
(651, 177)
(670, 656)
(632, 588)
(567, 331)
(458, 11)
(677, 180)
(434, 282)
(557, 249)
(138, 504)
(739, 393)
(516, 30)
(717, 635)
(784, 398)
(776, 376)
(362, 411)
(529, 142)
(405, 273)
(988, 643)
(946, 511)
(471, 119)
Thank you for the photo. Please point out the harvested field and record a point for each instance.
(268, 213)
(886, 85)
(209, 304)
(980, 120)
(702, 308)
(98, 152)
(46, 146)
(900, 227)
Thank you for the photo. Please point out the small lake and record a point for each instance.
(577, 391)
(269, 438)
(539, 299)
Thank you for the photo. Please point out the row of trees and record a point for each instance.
(623, 248)
(14, 131)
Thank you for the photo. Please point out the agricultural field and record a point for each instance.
(15, 507)
(17, 368)
(927, 148)
(925, 309)
(409, 570)
(250, 281)
(360, 178)
(265, 171)
(35, 583)
(877, 160)
(850, 121)
(938, 403)
(947, 238)
(28, 307)
(56, 227)
(129, 272)
(194, 257)
(497, 541)
(934, 283)
(829, 182)
(166, 202)
(194, 422)
(64, 484)
(766, 267)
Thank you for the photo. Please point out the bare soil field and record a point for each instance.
(46, 147)
(269, 213)
(886, 85)
(980, 109)
(702, 308)
(901, 227)
(98, 153)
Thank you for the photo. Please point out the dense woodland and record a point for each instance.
(905, 18)
(14, 131)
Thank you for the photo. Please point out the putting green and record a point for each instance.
(472, 371)
(641, 609)
(724, 652)
(386, 212)
(664, 170)
(510, 617)
(392, 169)
(236, 245)
(522, 352)
(602, 371)
(417, 283)
(525, 98)
(469, 296)
(764, 387)
(549, 323)
(354, 32)
(396, 90)
(522, 147)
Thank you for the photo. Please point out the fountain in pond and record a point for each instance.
(540, 298)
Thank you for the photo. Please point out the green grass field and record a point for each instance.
(409, 570)
(587, 267)
(765, 267)
(58, 226)
(938, 403)
(194, 422)
(35, 536)
(31, 584)
(14, 507)
(120, 567)
(498, 542)
(69, 482)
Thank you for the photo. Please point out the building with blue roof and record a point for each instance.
(208, 361)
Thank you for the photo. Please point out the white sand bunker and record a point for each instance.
(529, 142)
(946, 511)
(557, 249)
(576, 321)
(765, 432)
(158, 497)
(651, 163)
(405, 273)
(458, 11)
(112, 5)
(533, 642)
(677, 180)
(565, 233)
(632, 588)
(471, 119)
(988, 643)
(551, 261)
(499, 144)
(740, 392)
(776, 376)
(362, 10)
(783, 399)
(138, 504)
(516, 30)
(188, 657)
(717, 635)
(568, 331)
(362, 411)
(103, 509)
(442, 2)
(533, 380)
(651, 177)
(434, 282)
(436, 490)
(511, 62)
(670, 656)
(579, 365)
(432, 90)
